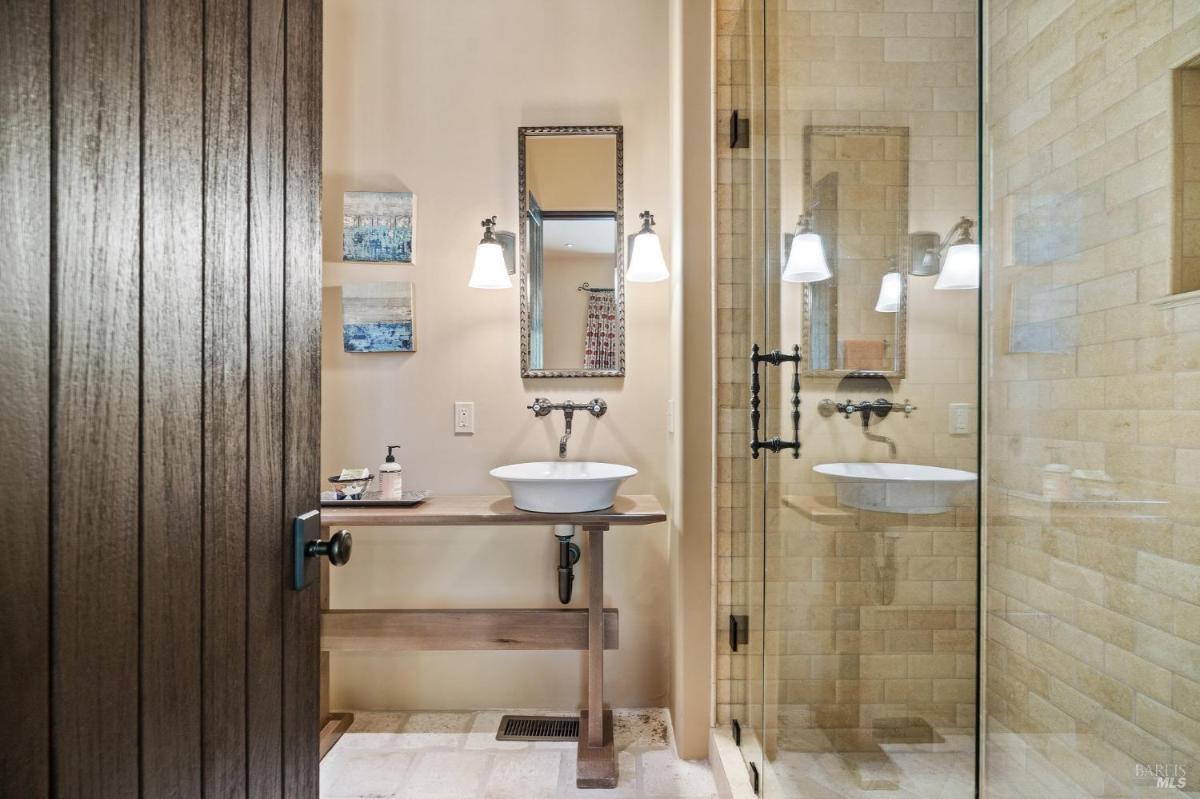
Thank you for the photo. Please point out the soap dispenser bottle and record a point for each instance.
(390, 486)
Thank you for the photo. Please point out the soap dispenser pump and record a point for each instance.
(390, 483)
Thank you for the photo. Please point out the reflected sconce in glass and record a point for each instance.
(491, 266)
(806, 258)
(646, 263)
(955, 260)
(891, 293)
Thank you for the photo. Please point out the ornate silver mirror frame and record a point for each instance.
(825, 222)
(528, 301)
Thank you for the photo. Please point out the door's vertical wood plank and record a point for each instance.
(24, 391)
(266, 577)
(226, 384)
(94, 397)
(302, 359)
(172, 398)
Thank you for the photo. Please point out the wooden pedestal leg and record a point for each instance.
(332, 724)
(596, 762)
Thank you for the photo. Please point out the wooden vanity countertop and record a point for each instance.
(456, 511)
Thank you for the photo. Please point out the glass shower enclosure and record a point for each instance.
(848, 154)
(894, 177)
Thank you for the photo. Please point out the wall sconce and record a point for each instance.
(491, 269)
(891, 292)
(646, 264)
(806, 258)
(959, 268)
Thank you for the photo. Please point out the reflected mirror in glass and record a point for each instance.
(856, 181)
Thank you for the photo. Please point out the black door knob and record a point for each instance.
(337, 548)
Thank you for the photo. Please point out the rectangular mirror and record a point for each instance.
(856, 196)
(572, 252)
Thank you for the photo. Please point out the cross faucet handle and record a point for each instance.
(541, 407)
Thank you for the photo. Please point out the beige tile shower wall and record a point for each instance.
(833, 672)
(1093, 650)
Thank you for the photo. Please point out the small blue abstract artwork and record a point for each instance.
(378, 317)
(378, 226)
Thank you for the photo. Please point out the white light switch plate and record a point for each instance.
(960, 418)
(464, 417)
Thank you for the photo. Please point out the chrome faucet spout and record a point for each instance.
(568, 414)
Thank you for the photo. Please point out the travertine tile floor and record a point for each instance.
(457, 756)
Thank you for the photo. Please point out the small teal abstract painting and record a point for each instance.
(378, 317)
(378, 226)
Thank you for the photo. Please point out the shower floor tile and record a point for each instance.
(853, 775)
(455, 756)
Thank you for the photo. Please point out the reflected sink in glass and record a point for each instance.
(898, 487)
(563, 486)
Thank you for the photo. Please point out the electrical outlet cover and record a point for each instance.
(464, 417)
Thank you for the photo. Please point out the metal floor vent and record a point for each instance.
(538, 728)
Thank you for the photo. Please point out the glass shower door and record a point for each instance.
(741, 214)
(860, 672)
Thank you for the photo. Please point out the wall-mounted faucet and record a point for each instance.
(879, 408)
(542, 407)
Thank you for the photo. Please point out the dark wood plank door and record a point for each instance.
(159, 396)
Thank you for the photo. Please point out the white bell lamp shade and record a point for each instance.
(490, 271)
(806, 260)
(961, 269)
(646, 263)
(891, 293)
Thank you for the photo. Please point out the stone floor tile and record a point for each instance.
(435, 730)
(523, 775)
(642, 729)
(447, 775)
(356, 773)
(663, 774)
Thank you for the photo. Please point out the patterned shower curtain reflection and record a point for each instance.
(600, 336)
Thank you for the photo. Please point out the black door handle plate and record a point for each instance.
(307, 548)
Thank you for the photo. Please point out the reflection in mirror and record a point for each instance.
(572, 292)
(856, 195)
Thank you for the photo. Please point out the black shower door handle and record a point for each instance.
(775, 443)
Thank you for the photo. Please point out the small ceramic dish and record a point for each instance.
(350, 488)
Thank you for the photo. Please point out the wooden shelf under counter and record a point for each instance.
(413, 629)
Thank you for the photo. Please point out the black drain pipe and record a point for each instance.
(568, 556)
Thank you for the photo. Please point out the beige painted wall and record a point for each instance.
(427, 97)
(693, 317)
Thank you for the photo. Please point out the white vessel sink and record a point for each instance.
(897, 487)
(563, 486)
